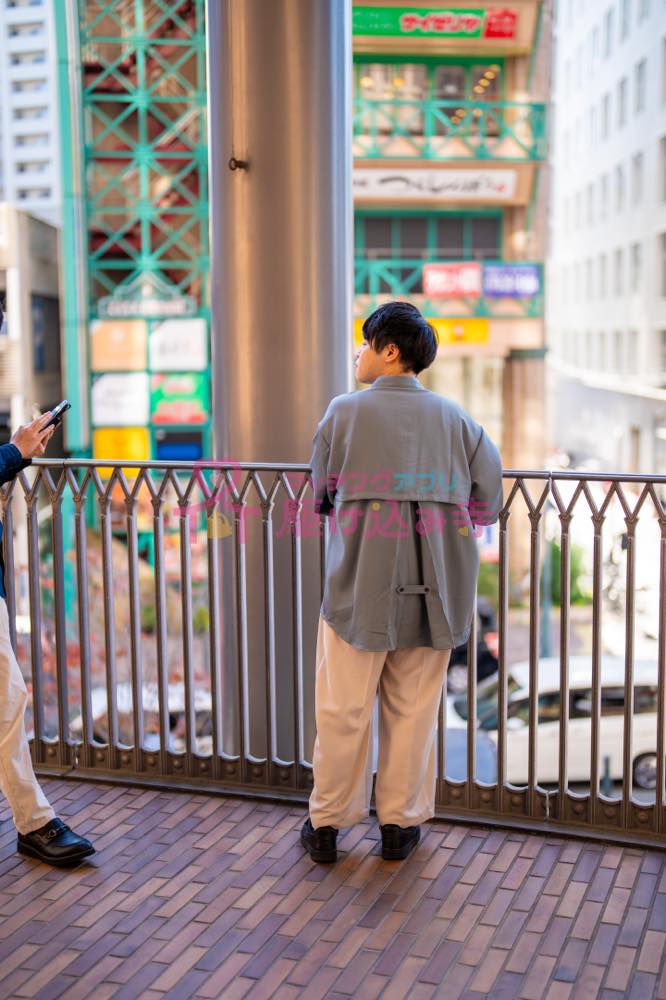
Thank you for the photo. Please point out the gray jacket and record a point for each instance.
(406, 475)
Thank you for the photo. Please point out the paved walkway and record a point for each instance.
(194, 896)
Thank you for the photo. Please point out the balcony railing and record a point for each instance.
(449, 130)
(519, 296)
(196, 665)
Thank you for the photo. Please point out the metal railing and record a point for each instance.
(449, 130)
(381, 280)
(179, 590)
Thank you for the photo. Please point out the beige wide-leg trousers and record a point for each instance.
(409, 682)
(18, 783)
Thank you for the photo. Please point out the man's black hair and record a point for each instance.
(402, 324)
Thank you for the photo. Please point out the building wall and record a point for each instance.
(484, 345)
(30, 358)
(606, 313)
(29, 152)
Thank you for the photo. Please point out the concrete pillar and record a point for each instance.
(281, 270)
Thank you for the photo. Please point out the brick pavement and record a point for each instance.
(191, 896)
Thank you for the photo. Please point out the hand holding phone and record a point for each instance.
(57, 414)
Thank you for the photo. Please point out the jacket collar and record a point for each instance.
(396, 382)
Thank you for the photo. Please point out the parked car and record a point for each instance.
(644, 730)
(486, 651)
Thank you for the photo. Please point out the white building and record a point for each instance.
(606, 310)
(29, 152)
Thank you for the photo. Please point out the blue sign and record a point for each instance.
(511, 281)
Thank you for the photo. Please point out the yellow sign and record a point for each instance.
(451, 331)
(461, 331)
(120, 443)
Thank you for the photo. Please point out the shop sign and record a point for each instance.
(179, 399)
(461, 331)
(178, 343)
(146, 295)
(513, 281)
(118, 345)
(122, 444)
(120, 400)
(446, 22)
(452, 281)
(444, 185)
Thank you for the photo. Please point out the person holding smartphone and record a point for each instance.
(41, 833)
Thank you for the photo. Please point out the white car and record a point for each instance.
(644, 729)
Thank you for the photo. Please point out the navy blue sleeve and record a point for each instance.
(11, 462)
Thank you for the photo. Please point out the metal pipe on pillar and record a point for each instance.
(281, 222)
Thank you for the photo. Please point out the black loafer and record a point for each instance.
(55, 844)
(399, 841)
(320, 844)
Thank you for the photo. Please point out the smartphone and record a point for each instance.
(57, 414)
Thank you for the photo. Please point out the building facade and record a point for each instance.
(29, 133)
(449, 142)
(607, 260)
(30, 362)
(135, 164)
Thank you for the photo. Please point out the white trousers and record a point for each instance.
(18, 783)
(409, 683)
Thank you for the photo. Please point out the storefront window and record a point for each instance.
(409, 240)
(462, 93)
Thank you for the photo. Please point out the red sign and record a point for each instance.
(443, 23)
(452, 281)
(501, 23)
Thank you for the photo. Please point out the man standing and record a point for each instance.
(407, 476)
(40, 833)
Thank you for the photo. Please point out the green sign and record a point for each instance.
(449, 22)
(179, 399)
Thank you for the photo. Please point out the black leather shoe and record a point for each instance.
(55, 844)
(399, 841)
(320, 844)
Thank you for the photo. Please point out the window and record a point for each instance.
(36, 139)
(20, 114)
(33, 194)
(619, 188)
(663, 71)
(618, 272)
(590, 204)
(422, 237)
(595, 49)
(618, 351)
(634, 360)
(605, 184)
(578, 218)
(636, 178)
(27, 58)
(625, 13)
(601, 350)
(643, 10)
(26, 29)
(33, 166)
(589, 283)
(608, 32)
(603, 287)
(640, 80)
(635, 267)
(27, 86)
(24, 3)
(662, 243)
(622, 96)
(661, 179)
(661, 347)
(605, 116)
